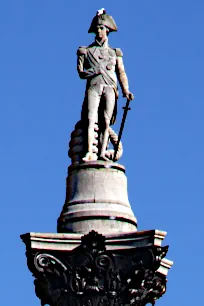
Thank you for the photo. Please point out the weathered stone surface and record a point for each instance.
(96, 270)
(115, 266)
(96, 198)
(68, 242)
(78, 144)
(101, 65)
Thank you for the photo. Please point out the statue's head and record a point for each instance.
(102, 24)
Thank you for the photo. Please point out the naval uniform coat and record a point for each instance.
(108, 61)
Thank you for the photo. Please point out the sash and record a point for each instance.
(95, 63)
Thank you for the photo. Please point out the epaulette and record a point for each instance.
(118, 52)
(81, 50)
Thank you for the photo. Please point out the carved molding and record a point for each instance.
(90, 275)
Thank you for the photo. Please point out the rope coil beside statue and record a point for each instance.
(78, 144)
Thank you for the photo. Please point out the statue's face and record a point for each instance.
(101, 32)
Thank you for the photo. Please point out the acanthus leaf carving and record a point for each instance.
(90, 275)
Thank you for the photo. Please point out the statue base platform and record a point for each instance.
(96, 198)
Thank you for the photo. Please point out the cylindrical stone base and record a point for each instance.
(96, 199)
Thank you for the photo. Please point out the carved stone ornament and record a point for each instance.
(90, 275)
(77, 266)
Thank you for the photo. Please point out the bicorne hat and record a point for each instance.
(104, 19)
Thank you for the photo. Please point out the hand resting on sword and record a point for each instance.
(128, 95)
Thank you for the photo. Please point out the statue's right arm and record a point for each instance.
(84, 73)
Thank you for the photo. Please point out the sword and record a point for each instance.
(126, 109)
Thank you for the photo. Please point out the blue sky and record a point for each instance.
(41, 96)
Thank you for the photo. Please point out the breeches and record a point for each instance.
(101, 93)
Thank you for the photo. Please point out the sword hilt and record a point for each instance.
(126, 109)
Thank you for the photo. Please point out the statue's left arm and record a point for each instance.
(121, 75)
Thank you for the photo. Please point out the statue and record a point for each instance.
(101, 66)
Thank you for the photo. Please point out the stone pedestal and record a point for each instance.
(96, 198)
(97, 258)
